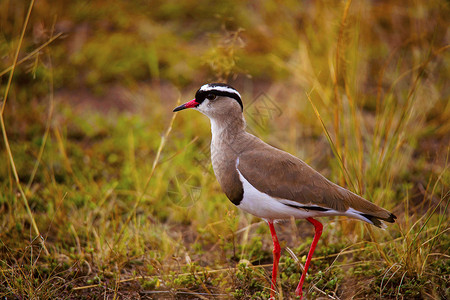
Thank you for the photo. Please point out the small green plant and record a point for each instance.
(250, 283)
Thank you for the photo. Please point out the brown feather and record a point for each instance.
(282, 175)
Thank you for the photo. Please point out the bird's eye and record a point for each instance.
(211, 97)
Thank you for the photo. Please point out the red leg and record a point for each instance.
(319, 227)
(276, 259)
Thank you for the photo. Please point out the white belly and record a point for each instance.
(264, 206)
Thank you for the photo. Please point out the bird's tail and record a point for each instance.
(376, 220)
(367, 211)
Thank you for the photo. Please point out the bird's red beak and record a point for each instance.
(190, 104)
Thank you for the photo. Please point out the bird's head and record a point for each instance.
(215, 99)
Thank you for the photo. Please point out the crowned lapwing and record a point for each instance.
(270, 183)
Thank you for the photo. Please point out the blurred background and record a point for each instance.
(104, 192)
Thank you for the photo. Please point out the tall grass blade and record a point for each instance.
(5, 136)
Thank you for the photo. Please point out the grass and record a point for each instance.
(105, 193)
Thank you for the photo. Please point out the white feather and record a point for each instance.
(208, 87)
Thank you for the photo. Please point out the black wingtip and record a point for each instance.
(376, 220)
(391, 218)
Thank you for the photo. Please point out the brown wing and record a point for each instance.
(282, 175)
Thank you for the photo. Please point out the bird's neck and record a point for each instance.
(228, 127)
(228, 135)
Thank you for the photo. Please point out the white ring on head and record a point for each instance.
(208, 87)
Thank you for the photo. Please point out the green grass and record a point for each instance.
(104, 192)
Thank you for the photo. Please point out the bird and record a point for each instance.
(269, 183)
